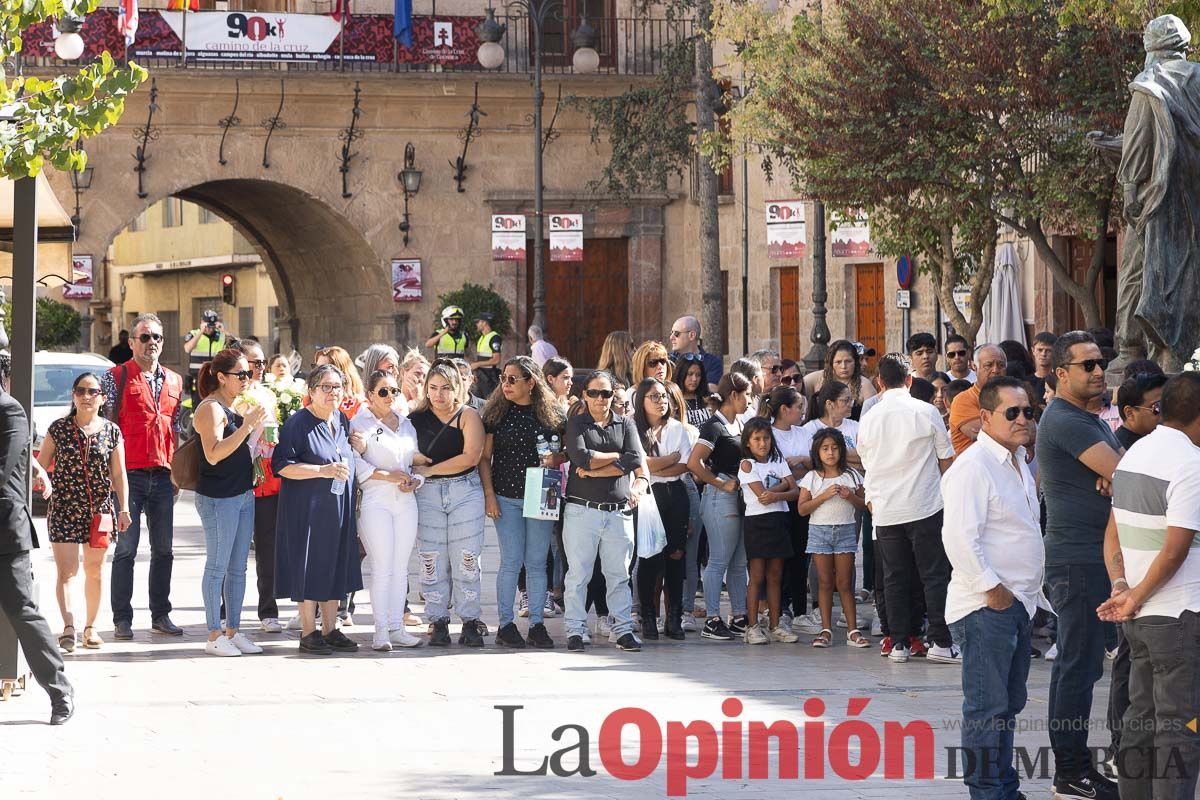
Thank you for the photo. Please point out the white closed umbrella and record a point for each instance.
(1002, 317)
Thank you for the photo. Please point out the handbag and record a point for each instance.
(101, 524)
(185, 462)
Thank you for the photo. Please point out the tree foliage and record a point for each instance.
(943, 121)
(57, 324)
(474, 299)
(50, 115)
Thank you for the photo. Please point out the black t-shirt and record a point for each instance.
(1126, 437)
(234, 474)
(448, 444)
(726, 447)
(514, 449)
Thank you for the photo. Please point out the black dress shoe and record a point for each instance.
(629, 643)
(123, 631)
(315, 644)
(539, 637)
(164, 625)
(62, 709)
(470, 636)
(509, 636)
(341, 642)
(575, 644)
(439, 633)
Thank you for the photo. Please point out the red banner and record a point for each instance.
(366, 37)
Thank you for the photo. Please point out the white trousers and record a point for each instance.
(387, 525)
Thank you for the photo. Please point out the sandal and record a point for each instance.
(66, 642)
(824, 638)
(91, 639)
(855, 638)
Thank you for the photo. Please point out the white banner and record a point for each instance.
(81, 287)
(787, 234)
(566, 237)
(852, 237)
(241, 35)
(508, 237)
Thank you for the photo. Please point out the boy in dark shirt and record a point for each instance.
(1137, 402)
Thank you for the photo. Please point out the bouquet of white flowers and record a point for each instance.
(1193, 364)
(260, 445)
(289, 395)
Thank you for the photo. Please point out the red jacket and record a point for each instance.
(146, 425)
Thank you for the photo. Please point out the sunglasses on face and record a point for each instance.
(83, 391)
(1011, 414)
(606, 394)
(654, 363)
(512, 380)
(956, 354)
(788, 380)
(676, 334)
(691, 357)
(1090, 364)
(1154, 408)
(146, 338)
(621, 406)
(387, 391)
(258, 363)
(241, 375)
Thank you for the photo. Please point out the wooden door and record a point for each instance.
(788, 279)
(585, 300)
(868, 307)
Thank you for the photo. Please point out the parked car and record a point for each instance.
(53, 375)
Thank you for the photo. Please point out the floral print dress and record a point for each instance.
(70, 517)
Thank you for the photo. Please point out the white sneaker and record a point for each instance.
(244, 645)
(222, 646)
(1052, 653)
(754, 635)
(604, 626)
(809, 623)
(943, 655)
(523, 605)
(785, 621)
(294, 624)
(781, 634)
(1111, 655)
(899, 653)
(841, 621)
(271, 625)
(877, 626)
(381, 642)
(587, 636)
(689, 623)
(402, 638)
(550, 610)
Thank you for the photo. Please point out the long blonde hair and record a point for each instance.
(616, 356)
(643, 354)
(341, 359)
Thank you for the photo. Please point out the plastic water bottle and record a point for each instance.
(339, 486)
(543, 446)
(555, 443)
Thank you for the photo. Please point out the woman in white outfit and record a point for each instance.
(384, 445)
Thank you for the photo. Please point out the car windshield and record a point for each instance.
(52, 382)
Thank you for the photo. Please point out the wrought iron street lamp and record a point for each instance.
(69, 44)
(80, 182)
(584, 60)
(410, 178)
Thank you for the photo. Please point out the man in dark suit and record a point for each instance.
(17, 538)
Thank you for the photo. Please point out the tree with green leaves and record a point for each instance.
(57, 324)
(944, 122)
(474, 299)
(48, 115)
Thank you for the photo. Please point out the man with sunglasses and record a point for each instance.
(1077, 455)
(993, 539)
(1138, 403)
(685, 342)
(958, 358)
(145, 399)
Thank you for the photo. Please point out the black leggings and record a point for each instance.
(672, 501)
(794, 591)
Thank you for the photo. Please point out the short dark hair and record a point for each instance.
(956, 337)
(922, 390)
(1045, 337)
(1064, 343)
(1142, 366)
(955, 388)
(893, 369)
(747, 368)
(1133, 391)
(919, 340)
(1181, 399)
(989, 396)
(944, 377)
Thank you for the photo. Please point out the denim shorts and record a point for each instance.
(827, 540)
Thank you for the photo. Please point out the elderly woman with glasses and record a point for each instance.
(317, 549)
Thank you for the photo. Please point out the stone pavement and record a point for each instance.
(421, 723)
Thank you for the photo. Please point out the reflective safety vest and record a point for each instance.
(483, 347)
(451, 346)
(206, 348)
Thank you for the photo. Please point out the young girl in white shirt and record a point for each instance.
(767, 486)
(831, 494)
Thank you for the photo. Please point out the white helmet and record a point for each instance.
(449, 312)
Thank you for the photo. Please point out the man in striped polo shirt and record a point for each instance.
(1153, 558)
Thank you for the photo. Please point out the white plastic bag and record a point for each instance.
(651, 533)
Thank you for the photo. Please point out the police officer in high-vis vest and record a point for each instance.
(487, 355)
(201, 345)
(450, 341)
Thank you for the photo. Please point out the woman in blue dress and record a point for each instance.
(316, 558)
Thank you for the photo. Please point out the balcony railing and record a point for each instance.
(272, 41)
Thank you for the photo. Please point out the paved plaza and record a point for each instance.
(158, 718)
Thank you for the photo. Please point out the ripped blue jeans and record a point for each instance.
(449, 541)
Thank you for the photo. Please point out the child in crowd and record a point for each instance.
(279, 367)
(831, 494)
(767, 486)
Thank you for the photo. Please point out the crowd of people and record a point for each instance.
(981, 498)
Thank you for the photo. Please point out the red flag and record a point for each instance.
(178, 5)
(127, 20)
(340, 6)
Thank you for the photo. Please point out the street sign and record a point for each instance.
(903, 298)
(904, 272)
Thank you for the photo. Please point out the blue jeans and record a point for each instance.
(1075, 594)
(691, 576)
(726, 552)
(523, 542)
(152, 492)
(228, 529)
(450, 531)
(586, 532)
(995, 666)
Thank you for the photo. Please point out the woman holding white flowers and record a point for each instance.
(225, 495)
(385, 444)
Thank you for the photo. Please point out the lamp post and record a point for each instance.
(410, 178)
(820, 331)
(584, 60)
(80, 182)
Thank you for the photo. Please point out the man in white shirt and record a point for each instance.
(539, 349)
(1150, 550)
(994, 542)
(905, 449)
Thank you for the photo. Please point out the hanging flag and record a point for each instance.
(402, 27)
(179, 5)
(340, 6)
(127, 20)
